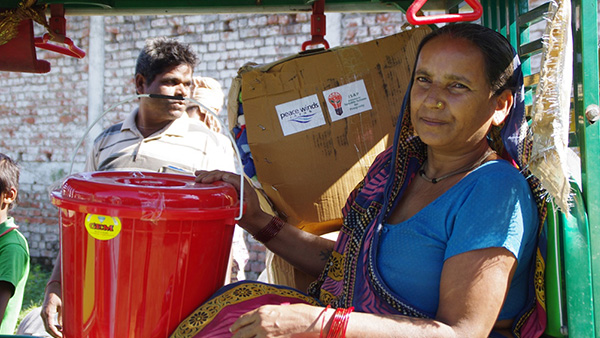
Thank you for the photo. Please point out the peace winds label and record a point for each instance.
(102, 227)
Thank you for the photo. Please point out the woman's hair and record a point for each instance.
(161, 53)
(497, 52)
(9, 175)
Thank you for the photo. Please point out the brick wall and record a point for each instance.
(44, 116)
(41, 119)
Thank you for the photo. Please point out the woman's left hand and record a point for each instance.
(296, 320)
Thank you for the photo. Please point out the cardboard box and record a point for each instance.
(316, 122)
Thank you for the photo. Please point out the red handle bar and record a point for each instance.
(72, 50)
(411, 14)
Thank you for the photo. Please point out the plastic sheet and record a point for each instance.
(550, 117)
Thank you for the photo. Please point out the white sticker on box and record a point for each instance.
(300, 115)
(347, 100)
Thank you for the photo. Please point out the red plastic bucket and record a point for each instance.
(140, 251)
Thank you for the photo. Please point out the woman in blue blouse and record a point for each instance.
(441, 237)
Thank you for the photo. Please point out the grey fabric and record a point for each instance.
(32, 324)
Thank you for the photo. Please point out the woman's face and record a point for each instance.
(451, 103)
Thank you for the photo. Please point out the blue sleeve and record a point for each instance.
(498, 211)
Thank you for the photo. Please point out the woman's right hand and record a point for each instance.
(254, 217)
(302, 249)
(52, 307)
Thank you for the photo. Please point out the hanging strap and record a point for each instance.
(413, 19)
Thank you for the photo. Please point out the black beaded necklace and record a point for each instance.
(460, 171)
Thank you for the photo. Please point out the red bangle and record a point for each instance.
(323, 319)
(334, 329)
(345, 321)
(340, 323)
(270, 230)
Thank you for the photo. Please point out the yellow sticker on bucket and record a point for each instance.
(102, 227)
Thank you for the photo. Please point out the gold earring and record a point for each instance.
(439, 105)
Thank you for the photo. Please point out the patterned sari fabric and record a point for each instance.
(349, 278)
(213, 318)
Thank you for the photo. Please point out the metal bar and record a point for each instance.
(532, 47)
(503, 18)
(554, 276)
(533, 16)
(487, 10)
(494, 18)
(513, 28)
(184, 7)
(578, 274)
(585, 76)
(521, 38)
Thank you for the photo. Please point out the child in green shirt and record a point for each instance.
(14, 251)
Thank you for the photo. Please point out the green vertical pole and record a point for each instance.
(490, 13)
(578, 269)
(513, 27)
(494, 14)
(585, 77)
(485, 16)
(519, 7)
(501, 16)
(555, 296)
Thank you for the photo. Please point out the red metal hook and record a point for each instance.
(58, 28)
(317, 26)
(411, 14)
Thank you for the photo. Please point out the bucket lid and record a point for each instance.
(146, 195)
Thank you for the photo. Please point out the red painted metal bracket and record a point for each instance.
(411, 14)
(317, 26)
(18, 54)
(58, 25)
(70, 50)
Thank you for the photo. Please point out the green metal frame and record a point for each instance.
(585, 91)
(555, 279)
(578, 266)
(573, 287)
